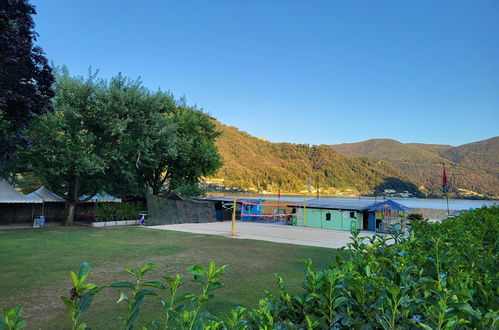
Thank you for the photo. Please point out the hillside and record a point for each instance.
(472, 167)
(261, 166)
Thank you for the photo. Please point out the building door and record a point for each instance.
(365, 220)
(372, 221)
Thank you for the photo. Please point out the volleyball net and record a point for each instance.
(268, 212)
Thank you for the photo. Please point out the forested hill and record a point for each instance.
(258, 165)
(472, 167)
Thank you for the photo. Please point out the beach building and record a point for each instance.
(349, 214)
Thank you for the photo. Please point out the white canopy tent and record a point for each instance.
(45, 194)
(9, 194)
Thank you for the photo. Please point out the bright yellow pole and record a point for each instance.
(305, 212)
(233, 216)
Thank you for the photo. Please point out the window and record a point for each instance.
(352, 215)
(328, 216)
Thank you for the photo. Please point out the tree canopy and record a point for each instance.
(118, 136)
(26, 77)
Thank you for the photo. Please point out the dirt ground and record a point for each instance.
(269, 232)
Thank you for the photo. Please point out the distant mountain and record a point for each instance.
(482, 154)
(472, 168)
(258, 165)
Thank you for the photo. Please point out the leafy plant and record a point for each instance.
(11, 318)
(138, 291)
(81, 296)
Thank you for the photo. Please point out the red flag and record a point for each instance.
(444, 182)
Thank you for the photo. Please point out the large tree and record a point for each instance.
(77, 143)
(197, 154)
(148, 142)
(25, 76)
(171, 146)
(118, 136)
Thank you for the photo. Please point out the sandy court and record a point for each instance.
(269, 232)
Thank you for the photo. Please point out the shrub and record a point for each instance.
(414, 216)
(117, 211)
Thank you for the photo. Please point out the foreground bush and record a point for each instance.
(438, 276)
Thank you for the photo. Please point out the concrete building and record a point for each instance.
(349, 214)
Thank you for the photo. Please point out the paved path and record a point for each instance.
(268, 232)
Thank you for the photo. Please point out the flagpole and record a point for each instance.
(447, 197)
(445, 188)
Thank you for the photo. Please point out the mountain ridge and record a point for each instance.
(473, 167)
(257, 165)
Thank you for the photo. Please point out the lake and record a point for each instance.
(430, 203)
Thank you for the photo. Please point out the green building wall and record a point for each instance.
(316, 218)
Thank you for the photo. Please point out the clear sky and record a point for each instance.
(318, 72)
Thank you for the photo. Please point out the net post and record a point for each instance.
(233, 216)
(305, 212)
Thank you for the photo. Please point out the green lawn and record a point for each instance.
(35, 265)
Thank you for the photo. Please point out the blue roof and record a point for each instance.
(229, 199)
(388, 205)
(45, 195)
(105, 197)
(353, 205)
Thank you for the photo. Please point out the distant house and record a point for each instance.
(348, 214)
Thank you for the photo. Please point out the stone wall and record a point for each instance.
(171, 210)
(431, 214)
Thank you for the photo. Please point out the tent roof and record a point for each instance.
(337, 204)
(353, 204)
(45, 194)
(388, 205)
(105, 197)
(9, 194)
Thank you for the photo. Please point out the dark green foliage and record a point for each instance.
(26, 77)
(149, 140)
(120, 137)
(77, 143)
(414, 216)
(118, 211)
(197, 155)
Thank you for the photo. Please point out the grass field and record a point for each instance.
(35, 265)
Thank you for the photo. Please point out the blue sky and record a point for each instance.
(318, 72)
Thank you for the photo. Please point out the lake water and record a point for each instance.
(454, 204)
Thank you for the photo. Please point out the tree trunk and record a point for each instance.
(69, 211)
(71, 201)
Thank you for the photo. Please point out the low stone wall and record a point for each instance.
(431, 214)
(172, 210)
